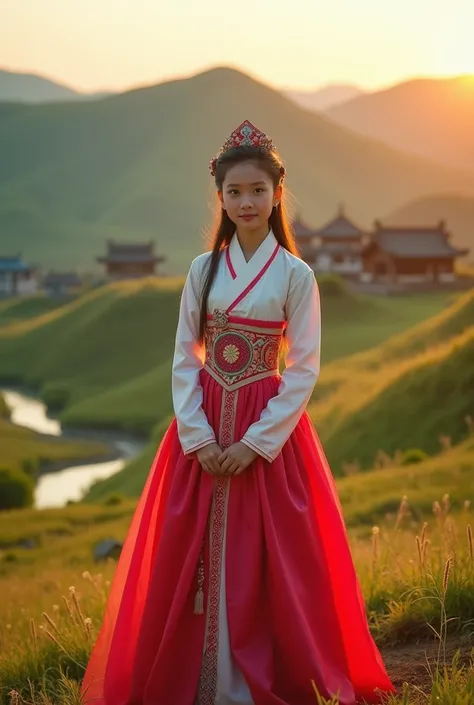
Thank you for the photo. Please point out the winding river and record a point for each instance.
(55, 489)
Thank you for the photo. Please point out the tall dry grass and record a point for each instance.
(418, 584)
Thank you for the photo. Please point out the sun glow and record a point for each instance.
(456, 56)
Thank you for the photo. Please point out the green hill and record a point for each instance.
(23, 307)
(104, 359)
(21, 448)
(398, 406)
(103, 343)
(34, 88)
(429, 399)
(67, 535)
(134, 166)
(406, 393)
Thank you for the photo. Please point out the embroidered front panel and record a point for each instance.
(239, 355)
(209, 667)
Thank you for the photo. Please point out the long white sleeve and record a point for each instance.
(194, 430)
(303, 335)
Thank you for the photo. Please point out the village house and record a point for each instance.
(392, 256)
(336, 247)
(61, 284)
(130, 260)
(17, 277)
(409, 255)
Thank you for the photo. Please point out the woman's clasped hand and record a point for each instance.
(231, 461)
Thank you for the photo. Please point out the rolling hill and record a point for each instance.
(104, 359)
(430, 398)
(109, 342)
(134, 166)
(405, 393)
(432, 118)
(16, 86)
(457, 211)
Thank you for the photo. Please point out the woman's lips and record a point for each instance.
(248, 216)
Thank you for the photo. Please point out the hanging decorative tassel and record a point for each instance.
(199, 602)
(199, 598)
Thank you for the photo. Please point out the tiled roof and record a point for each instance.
(130, 252)
(301, 230)
(13, 264)
(416, 242)
(340, 227)
(62, 279)
(132, 249)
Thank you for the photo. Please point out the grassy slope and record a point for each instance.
(21, 308)
(354, 386)
(94, 346)
(74, 174)
(354, 324)
(67, 534)
(428, 399)
(407, 392)
(400, 593)
(19, 444)
(110, 350)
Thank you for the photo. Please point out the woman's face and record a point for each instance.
(248, 196)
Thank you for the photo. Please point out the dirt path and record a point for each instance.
(411, 664)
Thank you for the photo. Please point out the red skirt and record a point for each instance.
(295, 612)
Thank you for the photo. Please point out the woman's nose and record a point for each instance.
(246, 202)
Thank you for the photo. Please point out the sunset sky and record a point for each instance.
(114, 44)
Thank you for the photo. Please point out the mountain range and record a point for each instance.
(432, 118)
(133, 166)
(21, 87)
(325, 97)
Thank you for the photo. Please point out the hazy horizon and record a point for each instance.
(322, 86)
(114, 46)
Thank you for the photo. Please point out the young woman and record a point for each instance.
(236, 585)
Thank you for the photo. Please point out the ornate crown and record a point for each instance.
(245, 135)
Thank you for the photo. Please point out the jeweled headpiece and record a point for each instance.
(245, 135)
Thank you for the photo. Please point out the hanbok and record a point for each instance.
(239, 590)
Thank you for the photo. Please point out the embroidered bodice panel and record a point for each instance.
(242, 352)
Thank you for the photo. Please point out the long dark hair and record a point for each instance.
(271, 163)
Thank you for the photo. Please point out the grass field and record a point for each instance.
(21, 308)
(408, 392)
(20, 447)
(383, 400)
(409, 525)
(411, 585)
(106, 357)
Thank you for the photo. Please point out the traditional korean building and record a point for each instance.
(409, 255)
(339, 248)
(61, 283)
(336, 247)
(130, 260)
(305, 240)
(17, 277)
